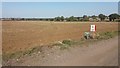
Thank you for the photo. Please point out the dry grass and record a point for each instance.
(23, 35)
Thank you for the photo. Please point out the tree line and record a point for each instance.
(100, 17)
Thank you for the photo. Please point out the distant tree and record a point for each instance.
(57, 18)
(67, 19)
(85, 18)
(22, 18)
(102, 17)
(94, 17)
(12, 19)
(71, 18)
(62, 18)
(114, 16)
(75, 19)
(51, 19)
(78, 18)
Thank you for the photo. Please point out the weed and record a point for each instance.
(67, 42)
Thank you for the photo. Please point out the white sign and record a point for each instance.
(93, 28)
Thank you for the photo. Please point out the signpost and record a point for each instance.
(90, 34)
(93, 28)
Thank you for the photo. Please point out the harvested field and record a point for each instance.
(22, 35)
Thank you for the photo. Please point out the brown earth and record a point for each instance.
(22, 35)
(99, 53)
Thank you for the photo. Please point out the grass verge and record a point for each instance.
(102, 36)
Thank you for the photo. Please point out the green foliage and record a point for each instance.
(114, 16)
(94, 17)
(102, 17)
(65, 44)
(62, 18)
(107, 35)
(72, 18)
(68, 42)
(85, 18)
(59, 18)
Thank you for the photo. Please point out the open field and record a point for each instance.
(22, 35)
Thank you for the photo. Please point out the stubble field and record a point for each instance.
(23, 35)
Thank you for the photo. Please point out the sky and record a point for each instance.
(60, 0)
(54, 9)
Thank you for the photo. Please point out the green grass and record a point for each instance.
(65, 44)
(108, 35)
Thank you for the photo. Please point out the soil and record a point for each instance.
(100, 53)
(23, 35)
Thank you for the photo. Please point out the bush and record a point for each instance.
(107, 35)
(68, 42)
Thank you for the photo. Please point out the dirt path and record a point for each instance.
(101, 53)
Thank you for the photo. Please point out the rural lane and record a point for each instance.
(100, 53)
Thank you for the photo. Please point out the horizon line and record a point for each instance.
(59, 16)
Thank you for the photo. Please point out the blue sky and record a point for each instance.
(53, 9)
(60, 0)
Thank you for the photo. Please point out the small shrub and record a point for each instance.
(107, 35)
(67, 42)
